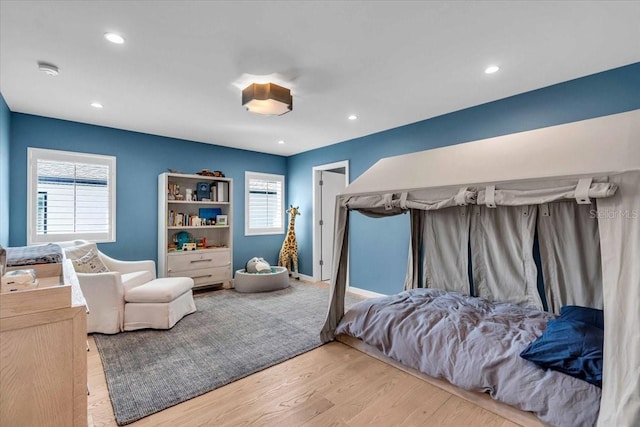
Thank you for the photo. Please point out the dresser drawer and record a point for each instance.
(186, 261)
(205, 276)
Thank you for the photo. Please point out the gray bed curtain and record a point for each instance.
(339, 272)
(502, 255)
(515, 197)
(413, 278)
(619, 228)
(570, 254)
(503, 266)
(445, 249)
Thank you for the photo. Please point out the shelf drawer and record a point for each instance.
(185, 262)
(205, 276)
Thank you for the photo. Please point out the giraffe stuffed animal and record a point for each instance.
(289, 252)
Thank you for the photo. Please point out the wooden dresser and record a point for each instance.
(43, 353)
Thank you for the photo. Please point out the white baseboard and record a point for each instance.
(364, 292)
(357, 291)
(306, 278)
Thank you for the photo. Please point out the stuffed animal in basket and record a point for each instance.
(257, 265)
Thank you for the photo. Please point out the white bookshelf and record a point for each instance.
(209, 265)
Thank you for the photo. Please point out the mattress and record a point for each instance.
(473, 344)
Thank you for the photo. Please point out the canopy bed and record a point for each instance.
(476, 210)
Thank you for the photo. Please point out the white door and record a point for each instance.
(330, 184)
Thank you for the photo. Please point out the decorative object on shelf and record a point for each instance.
(189, 247)
(257, 265)
(189, 196)
(209, 214)
(204, 191)
(181, 238)
(221, 220)
(267, 99)
(173, 191)
(207, 172)
(289, 252)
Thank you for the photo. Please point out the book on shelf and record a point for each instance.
(214, 192)
(223, 191)
(204, 191)
(209, 213)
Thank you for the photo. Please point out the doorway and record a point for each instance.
(328, 181)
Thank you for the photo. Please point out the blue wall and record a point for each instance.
(378, 251)
(378, 246)
(140, 159)
(5, 126)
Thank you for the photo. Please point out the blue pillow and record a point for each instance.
(591, 316)
(569, 346)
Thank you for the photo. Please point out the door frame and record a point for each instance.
(315, 196)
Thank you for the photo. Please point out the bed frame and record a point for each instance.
(483, 400)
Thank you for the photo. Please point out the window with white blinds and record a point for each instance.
(264, 202)
(71, 196)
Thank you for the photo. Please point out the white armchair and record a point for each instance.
(105, 290)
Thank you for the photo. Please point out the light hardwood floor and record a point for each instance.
(334, 385)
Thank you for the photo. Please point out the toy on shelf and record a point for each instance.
(189, 247)
(181, 238)
(207, 172)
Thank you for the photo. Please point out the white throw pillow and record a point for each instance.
(89, 263)
(78, 251)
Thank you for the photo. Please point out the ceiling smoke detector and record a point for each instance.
(48, 69)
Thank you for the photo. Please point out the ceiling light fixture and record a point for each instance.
(114, 38)
(353, 117)
(96, 105)
(48, 69)
(268, 99)
(491, 69)
(281, 142)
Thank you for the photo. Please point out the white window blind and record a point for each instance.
(72, 196)
(264, 201)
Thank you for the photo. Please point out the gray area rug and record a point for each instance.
(232, 335)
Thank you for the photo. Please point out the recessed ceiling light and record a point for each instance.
(352, 117)
(491, 69)
(48, 69)
(96, 105)
(281, 142)
(114, 38)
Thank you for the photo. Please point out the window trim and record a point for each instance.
(35, 154)
(248, 175)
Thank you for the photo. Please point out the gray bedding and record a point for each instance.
(474, 344)
(32, 255)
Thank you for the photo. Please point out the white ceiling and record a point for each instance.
(182, 68)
